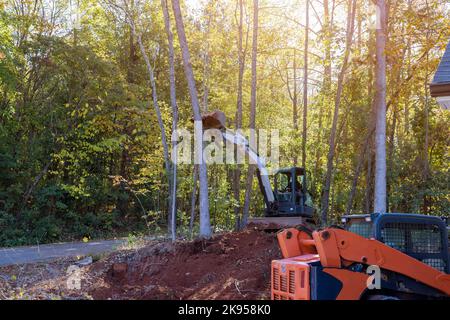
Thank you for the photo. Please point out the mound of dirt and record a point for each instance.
(228, 266)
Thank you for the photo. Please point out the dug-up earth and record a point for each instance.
(228, 266)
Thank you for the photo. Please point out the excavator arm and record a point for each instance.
(278, 213)
(263, 175)
(216, 120)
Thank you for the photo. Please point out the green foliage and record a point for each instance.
(80, 146)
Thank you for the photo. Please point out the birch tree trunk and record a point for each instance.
(205, 225)
(326, 188)
(251, 168)
(193, 200)
(204, 109)
(369, 179)
(380, 103)
(174, 106)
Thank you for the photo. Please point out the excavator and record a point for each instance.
(369, 257)
(288, 203)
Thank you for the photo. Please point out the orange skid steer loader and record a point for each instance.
(374, 257)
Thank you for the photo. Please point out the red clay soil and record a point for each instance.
(229, 266)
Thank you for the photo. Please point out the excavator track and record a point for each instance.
(278, 223)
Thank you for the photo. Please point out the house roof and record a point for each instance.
(441, 82)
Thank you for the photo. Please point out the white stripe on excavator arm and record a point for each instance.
(241, 142)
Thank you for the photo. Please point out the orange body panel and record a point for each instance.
(290, 278)
(294, 243)
(327, 249)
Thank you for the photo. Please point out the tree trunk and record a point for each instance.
(155, 103)
(193, 200)
(327, 40)
(366, 153)
(305, 86)
(358, 169)
(206, 66)
(122, 201)
(241, 66)
(327, 44)
(367, 197)
(426, 160)
(205, 225)
(390, 154)
(294, 103)
(326, 188)
(359, 36)
(251, 169)
(36, 180)
(237, 171)
(174, 106)
(380, 103)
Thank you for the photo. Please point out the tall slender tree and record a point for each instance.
(332, 144)
(205, 225)
(251, 169)
(238, 124)
(294, 97)
(380, 105)
(204, 109)
(305, 86)
(174, 106)
(132, 14)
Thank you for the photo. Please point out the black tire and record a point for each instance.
(381, 297)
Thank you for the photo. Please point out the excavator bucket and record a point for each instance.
(214, 120)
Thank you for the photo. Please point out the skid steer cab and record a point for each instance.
(373, 257)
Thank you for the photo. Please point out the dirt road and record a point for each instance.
(45, 252)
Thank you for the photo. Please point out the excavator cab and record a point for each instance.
(291, 195)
